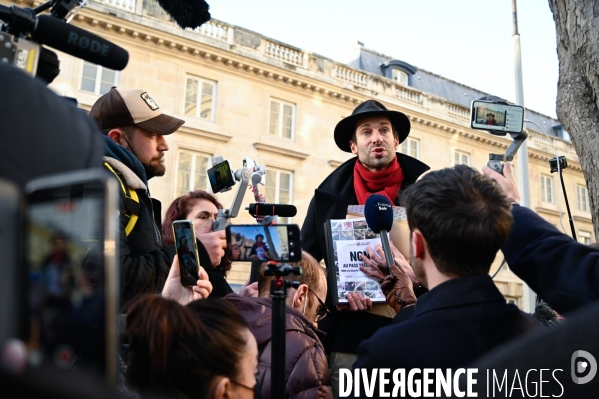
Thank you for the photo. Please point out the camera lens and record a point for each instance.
(290, 233)
(292, 254)
(291, 244)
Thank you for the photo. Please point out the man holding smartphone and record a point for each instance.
(134, 129)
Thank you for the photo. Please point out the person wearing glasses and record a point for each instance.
(307, 367)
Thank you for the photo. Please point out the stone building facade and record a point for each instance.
(246, 95)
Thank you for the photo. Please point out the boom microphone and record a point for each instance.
(262, 209)
(79, 43)
(378, 212)
(187, 13)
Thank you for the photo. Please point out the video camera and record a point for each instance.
(499, 117)
(23, 33)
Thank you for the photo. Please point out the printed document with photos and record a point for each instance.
(346, 240)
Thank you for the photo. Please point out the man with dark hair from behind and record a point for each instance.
(458, 220)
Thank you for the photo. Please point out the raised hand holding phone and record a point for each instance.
(173, 289)
(187, 251)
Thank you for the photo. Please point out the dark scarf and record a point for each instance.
(387, 182)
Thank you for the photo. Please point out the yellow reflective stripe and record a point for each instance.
(117, 177)
(133, 195)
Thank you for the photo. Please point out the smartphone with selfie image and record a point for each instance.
(187, 252)
(220, 176)
(497, 118)
(255, 242)
(71, 263)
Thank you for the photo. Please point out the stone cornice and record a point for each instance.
(222, 56)
(547, 211)
(579, 218)
(335, 164)
(280, 150)
(204, 133)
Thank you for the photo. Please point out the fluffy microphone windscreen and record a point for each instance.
(187, 13)
(378, 212)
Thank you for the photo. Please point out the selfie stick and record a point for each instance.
(518, 138)
(279, 294)
(224, 215)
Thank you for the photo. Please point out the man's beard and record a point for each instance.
(378, 163)
(155, 167)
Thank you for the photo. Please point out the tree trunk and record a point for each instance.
(577, 26)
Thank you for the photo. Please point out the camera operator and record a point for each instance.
(458, 220)
(560, 270)
(134, 129)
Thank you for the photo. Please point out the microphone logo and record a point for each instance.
(383, 206)
(86, 43)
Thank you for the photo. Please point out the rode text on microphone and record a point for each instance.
(23, 32)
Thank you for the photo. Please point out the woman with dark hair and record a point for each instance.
(202, 208)
(205, 350)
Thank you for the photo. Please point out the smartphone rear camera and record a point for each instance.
(291, 244)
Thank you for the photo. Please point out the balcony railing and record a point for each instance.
(127, 5)
(283, 53)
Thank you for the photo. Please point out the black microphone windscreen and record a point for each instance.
(264, 209)
(378, 212)
(79, 43)
(187, 13)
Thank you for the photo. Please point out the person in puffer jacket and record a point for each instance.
(307, 367)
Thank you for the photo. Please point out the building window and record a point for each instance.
(279, 188)
(461, 158)
(410, 147)
(583, 198)
(97, 79)
(400, 76)
(281, 119)
(584, 237)
(191, 172)
(547, 189)
(200, 95)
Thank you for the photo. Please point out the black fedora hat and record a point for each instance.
(347, 126)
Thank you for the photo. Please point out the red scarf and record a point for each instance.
(387, 182)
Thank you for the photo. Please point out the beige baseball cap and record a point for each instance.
(124, 107)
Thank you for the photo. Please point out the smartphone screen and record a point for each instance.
(254, 242)
(185, 243)
(72, 283)
(220, 177)
(497, 117)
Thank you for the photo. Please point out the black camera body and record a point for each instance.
(553, 163)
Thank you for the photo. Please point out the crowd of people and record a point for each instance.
(442, 308)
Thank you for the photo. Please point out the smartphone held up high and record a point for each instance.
(494, 117)
(187, 251)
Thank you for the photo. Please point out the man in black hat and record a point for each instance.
(372, 133)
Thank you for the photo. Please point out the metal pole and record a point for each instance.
(523, 184)
(278, 293)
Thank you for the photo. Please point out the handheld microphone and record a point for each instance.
(187, 13)
(79, 43)
(262, 209)
(378, 212)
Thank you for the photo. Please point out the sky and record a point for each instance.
(469, 41)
